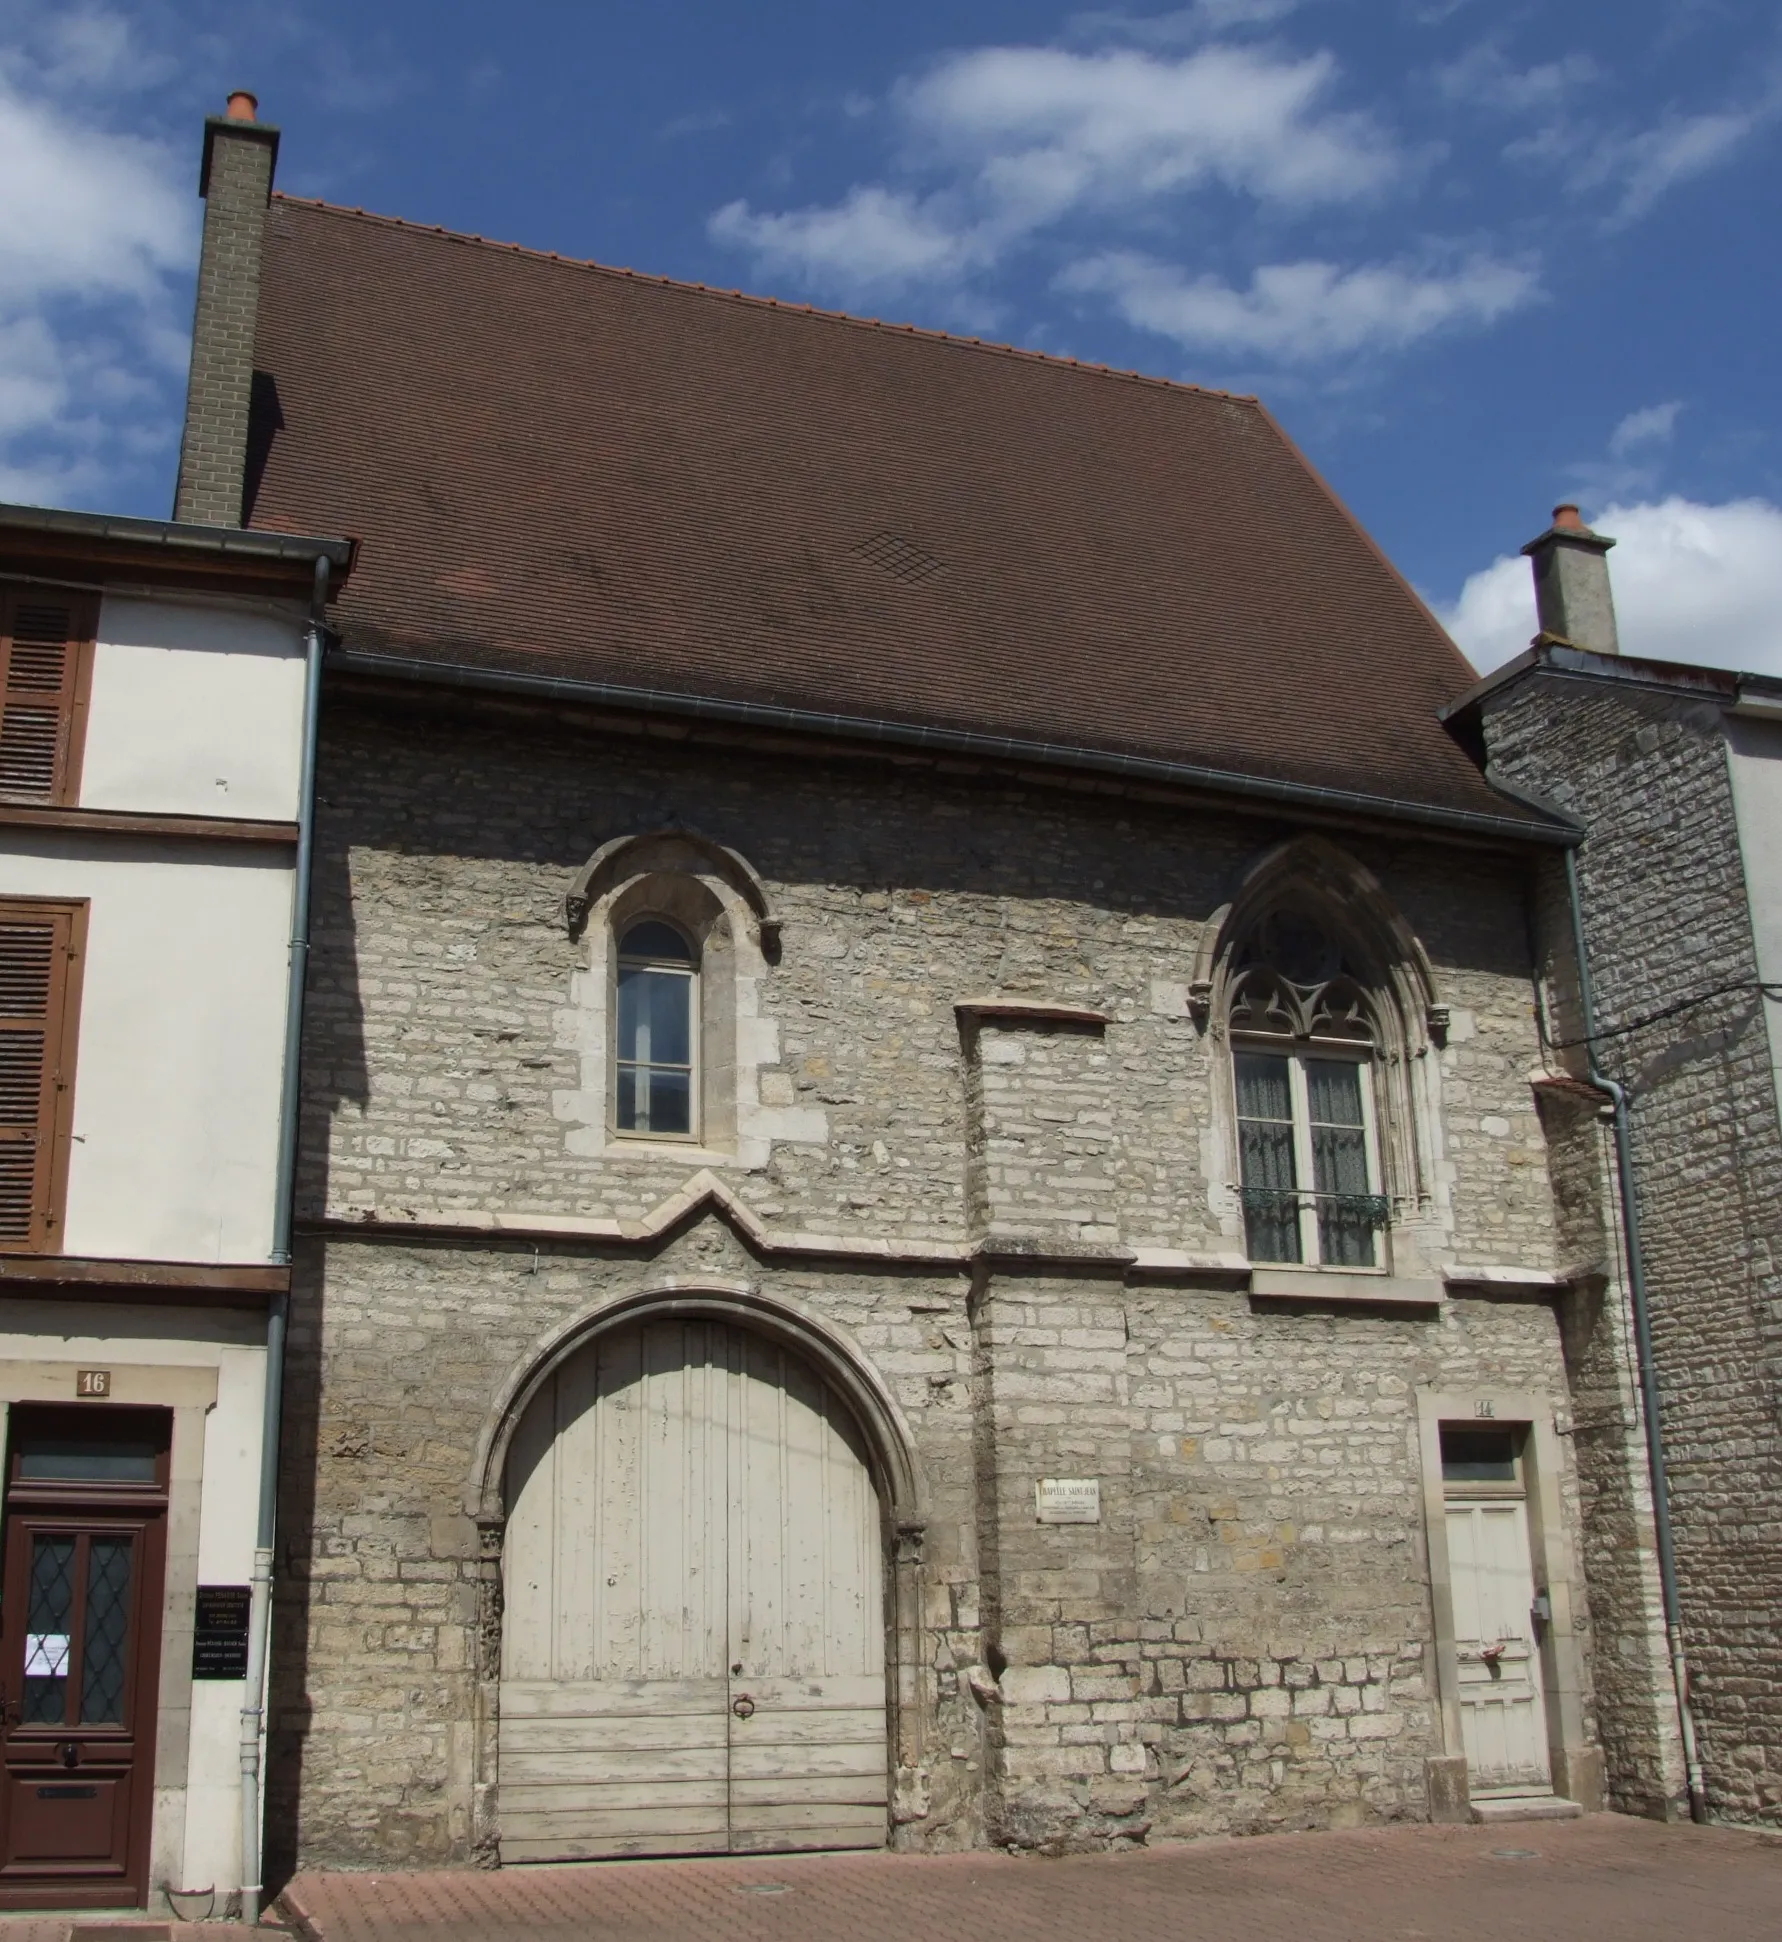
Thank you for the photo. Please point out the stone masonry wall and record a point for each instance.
(1666, 917)
(1244, 1641)
(438, 1042)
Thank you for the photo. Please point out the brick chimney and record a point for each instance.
(235, 180)
(1573, 598)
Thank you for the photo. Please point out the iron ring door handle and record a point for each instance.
(742, 1706)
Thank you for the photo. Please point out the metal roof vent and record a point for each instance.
(901, 558)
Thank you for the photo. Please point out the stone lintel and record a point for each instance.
(1031, 1011)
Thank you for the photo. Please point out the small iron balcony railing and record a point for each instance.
(1283, 1203)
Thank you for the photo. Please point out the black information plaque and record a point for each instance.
(220, 1632)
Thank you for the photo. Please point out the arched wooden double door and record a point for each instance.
(693, 1650)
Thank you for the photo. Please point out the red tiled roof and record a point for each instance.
(568, 470)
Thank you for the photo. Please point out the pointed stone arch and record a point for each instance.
(893, 1462)
(897, 1468)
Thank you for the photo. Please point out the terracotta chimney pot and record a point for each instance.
(1566, 519)
(243, 106)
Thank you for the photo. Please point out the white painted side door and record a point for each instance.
(1502, 1717)
(693, 1640)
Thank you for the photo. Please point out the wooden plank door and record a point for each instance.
(1502, 1714)
(807, 1709)
(614, 1734)
(693, 1640)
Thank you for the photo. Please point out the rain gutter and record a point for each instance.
(950, 741)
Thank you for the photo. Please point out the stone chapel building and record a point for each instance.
(931, 1208)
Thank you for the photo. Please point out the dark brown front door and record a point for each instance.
(80, 1651)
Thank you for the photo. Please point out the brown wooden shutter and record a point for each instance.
(46, 642)
(39, 984)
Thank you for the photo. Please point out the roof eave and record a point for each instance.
(108, 547)
(1536, 826)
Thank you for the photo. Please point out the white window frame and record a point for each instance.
(1296, 1052)
(623, 960)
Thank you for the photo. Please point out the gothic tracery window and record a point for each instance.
(1303, 1039)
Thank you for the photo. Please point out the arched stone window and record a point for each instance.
(1323, 999)
(656, 1022)
(676, 939)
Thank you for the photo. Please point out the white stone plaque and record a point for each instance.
(1067, 1500)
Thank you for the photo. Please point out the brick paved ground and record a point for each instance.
(1604, 1879)
(125, 1928)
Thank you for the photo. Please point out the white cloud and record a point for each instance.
(97, 233)
(1637, 169)
(1633, 464)
(1199, 21)
(1303, 311)
(873, 238)
(1483, 78)
(1046, 129)
(1646, 165)
(1651, 426)
(999, 143)
(1700, 583)
(85, 213)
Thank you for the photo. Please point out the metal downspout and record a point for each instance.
(284, 1191)
(1648, 1374)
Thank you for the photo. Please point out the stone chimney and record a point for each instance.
(1573, 598)
(235, 180)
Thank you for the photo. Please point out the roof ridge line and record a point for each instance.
(849, 317)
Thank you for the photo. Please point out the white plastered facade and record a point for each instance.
(195, 710)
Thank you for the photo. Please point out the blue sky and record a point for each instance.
(1477, 255)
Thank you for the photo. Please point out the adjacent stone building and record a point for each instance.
(1675, 773)
(933, 1206)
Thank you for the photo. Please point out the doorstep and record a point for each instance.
(1547, 1806)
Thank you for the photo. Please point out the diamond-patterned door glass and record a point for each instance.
(105, 1647)
(48, 1624)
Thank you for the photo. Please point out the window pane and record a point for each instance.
(1339, 1164)
(76, 1460)
(1478, 1456)
(654, 939)
(670, 1012)
(1265, 1158)
(1333, 1091)
(1345, 1234)
(108, 1629)
(1266, 1153)
(1262, 1087)
(633, 1014)
(655, 1016)
(629, 1080)
(48, 1621)
(670, 1102)
(1339, 1160)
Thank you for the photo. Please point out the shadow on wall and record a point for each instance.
(439, 795)
(288, 1704)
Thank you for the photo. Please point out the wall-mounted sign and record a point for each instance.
(92, 1382)
(220, 1632)
(1067, 1500)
